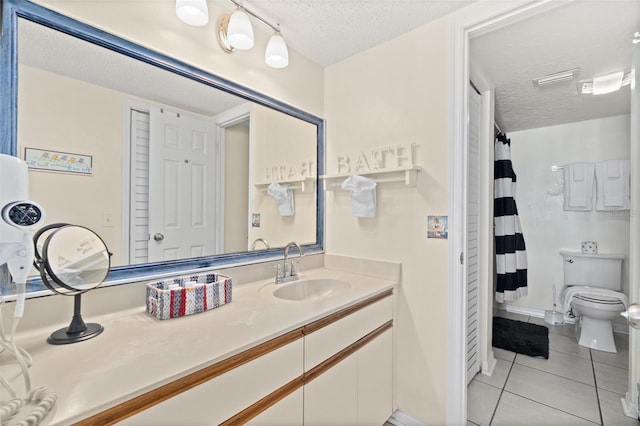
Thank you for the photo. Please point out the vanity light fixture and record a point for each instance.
(236, 32)
(193, 12)
(558, 77)
(240, 31)
(605, 84)
(276, 55)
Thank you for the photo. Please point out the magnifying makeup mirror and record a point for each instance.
(72, 260)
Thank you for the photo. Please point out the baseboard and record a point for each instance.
(530, 312)
(539, 313)
(489, 365)
(629, 409)
(399, 418)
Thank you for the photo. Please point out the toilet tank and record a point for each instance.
(598, 270)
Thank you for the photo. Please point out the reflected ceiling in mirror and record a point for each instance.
(252, 140)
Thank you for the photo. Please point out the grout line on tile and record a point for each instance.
(504, 385)
(554, 408)
(557, 375)
(595, 381)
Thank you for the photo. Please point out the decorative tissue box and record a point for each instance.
(589, 247)
(186, 295)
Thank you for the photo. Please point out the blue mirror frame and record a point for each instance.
(14, 9)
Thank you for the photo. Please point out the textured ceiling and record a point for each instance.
(593, 35)
(328, 31)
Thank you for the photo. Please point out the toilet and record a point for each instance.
(593, 283)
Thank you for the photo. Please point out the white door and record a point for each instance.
(472, 237)
(634, 248)
(183, 157)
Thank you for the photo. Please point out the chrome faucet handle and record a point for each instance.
(279, 274)
(294, 268)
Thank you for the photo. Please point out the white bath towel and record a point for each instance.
(284, 198)
(363, 195)
(570, 291)
(612, 185)
(578, 186)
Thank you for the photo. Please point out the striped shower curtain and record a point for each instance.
(511, 255)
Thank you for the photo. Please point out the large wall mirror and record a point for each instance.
(169, 164)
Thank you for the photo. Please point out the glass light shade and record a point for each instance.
(276, 55)
(607, 83)
(193, 12)
(240, 31)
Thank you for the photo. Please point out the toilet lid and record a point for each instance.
(606, 300)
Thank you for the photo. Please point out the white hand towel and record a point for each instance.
(363, 195)
(612, 185)
(284, 198)
(578, 186)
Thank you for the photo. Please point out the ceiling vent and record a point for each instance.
(558, 77)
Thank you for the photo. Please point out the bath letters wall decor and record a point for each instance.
(379, 158)
(284, 172)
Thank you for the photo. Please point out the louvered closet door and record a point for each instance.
(473, 215)
(139, 210)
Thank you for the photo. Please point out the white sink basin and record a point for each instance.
(310, 289)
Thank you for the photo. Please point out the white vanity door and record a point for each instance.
(332, 398)
(375, 380)
(183, 157)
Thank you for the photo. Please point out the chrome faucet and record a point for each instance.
(260, 240)
(286, 271)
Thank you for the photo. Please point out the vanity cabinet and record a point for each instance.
(222, 397)
(335, 370)
(348, 365)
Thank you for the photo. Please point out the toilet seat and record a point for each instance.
(603, 300)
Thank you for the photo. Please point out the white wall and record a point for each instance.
(236, 194)
(47, 104)
(280, 140)
(546, 226)
(397, 93)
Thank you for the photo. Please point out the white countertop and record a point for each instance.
(137, 352)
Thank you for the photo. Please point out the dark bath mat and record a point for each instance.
(521, 337)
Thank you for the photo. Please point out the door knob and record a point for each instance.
(158, 237)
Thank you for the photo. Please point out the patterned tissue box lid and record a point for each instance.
(187, 295)
(589, 247)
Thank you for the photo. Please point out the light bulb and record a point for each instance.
(276, 55)
(193, 12)
(239, 31)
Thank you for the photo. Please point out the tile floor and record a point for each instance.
(575, 386)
